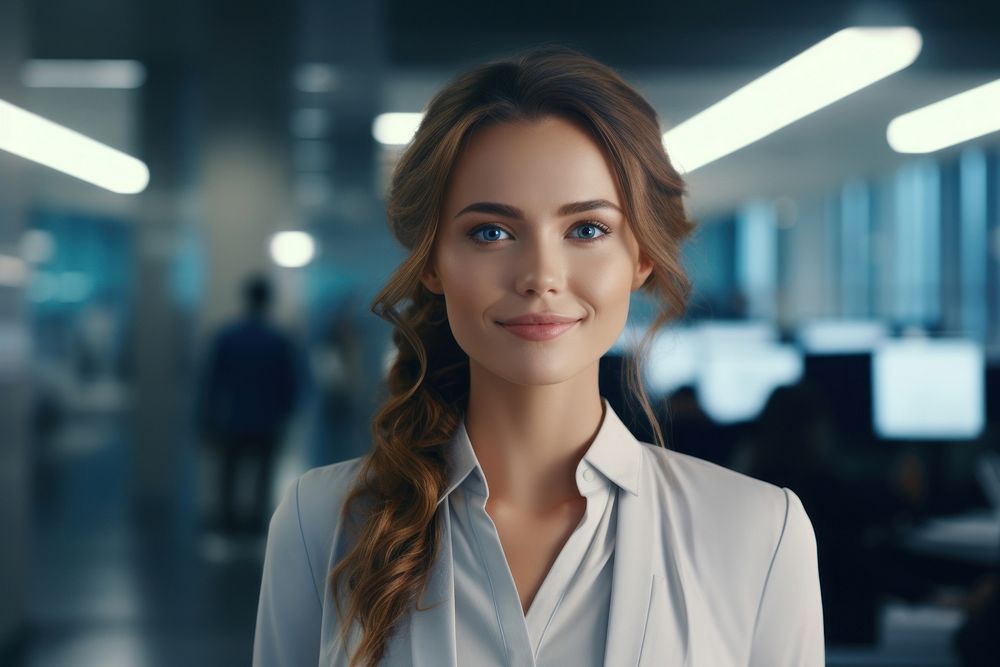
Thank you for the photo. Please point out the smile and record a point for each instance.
(539, 331)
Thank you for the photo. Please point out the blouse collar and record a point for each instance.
(614, 454)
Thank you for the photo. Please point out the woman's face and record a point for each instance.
(492, 264)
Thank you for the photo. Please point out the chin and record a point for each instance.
(524, 372)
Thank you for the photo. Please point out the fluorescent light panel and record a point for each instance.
(967, 115)
(839, 65)
(292, 249)
(396, 129)
(35, 138)
(83, 74)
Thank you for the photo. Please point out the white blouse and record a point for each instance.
(567, 621)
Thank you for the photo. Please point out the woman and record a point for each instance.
(505, 515)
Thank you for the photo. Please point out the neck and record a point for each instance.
(529, 440)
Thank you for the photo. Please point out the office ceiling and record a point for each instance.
(683, 56)
(675, 35)
(687, 56)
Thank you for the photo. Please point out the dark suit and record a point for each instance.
(248, 391)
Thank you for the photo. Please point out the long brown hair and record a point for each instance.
(428, 383)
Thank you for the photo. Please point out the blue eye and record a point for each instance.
(485, 228)
(597, 225)
(493, 227)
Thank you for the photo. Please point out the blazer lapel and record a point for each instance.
(677, 607)
(631, 587)
(640, 596)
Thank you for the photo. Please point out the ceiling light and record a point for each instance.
(40, 140)
(396, 129)
(292, 249)
(822, 74)
(950, 121)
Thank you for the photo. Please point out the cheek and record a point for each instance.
(607, 281)
(468, 285)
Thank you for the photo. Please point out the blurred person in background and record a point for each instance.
(250, 385)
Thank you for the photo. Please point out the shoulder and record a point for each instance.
(712, 484)
(324, 487)
(735, 532)
(740, 508)
(309, 512)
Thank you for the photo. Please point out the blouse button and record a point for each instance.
(588, 474)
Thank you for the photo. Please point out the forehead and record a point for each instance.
(543, 163)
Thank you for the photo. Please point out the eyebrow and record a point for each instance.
(513, 212)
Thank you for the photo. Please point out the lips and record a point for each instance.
(539, 332)
(539, 318)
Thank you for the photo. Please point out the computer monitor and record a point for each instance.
(726, 333)
(734, 382)
(928, 389)
(841, 336)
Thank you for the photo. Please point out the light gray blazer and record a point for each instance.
(712, 568)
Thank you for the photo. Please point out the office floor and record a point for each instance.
(116, 589)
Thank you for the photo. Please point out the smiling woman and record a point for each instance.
(548, 187)
(534, 200)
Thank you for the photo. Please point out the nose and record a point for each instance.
(542, 267)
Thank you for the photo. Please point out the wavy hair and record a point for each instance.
(404, 473)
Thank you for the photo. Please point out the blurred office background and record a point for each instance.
(843, 338)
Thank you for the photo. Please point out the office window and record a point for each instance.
(854, 227)
(973, 242)
(709, 261)
(915, 245)
(757, 258)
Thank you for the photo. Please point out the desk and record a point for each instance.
(972, 537)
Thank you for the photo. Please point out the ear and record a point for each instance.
(431, 281)
(642, 272)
